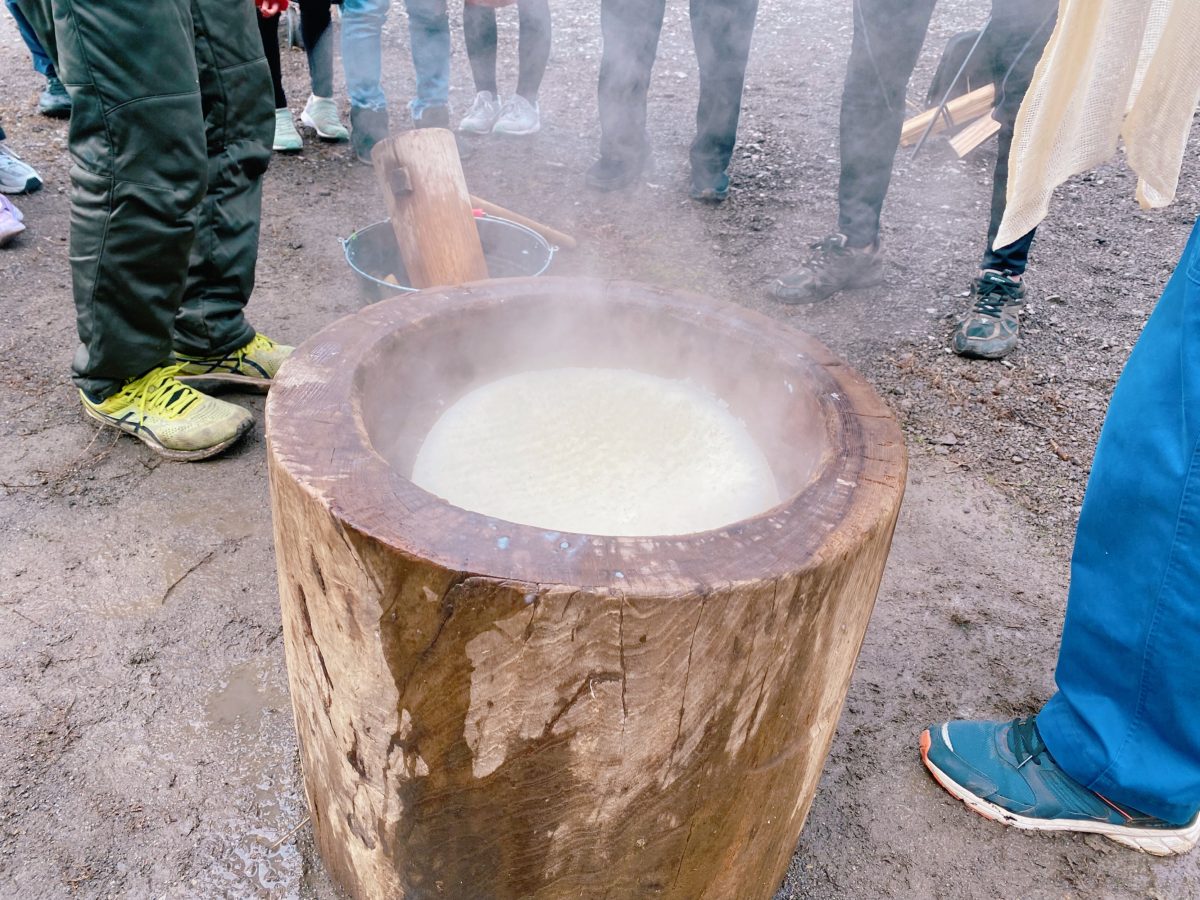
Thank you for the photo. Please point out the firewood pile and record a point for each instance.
(970, 114)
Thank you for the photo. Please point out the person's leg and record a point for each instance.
(1012, 46)
(534, 49)
(1126, 719)
(139, 174)
(1117, 750)
(286, 139)
(479, 34)
(429, 36)
(315, 20)
(888, 35)
(630, 29)
(887, 40)
(520, 114)
(721, 32)
(320, 111)
(54, 101)
(1015, 39)
(41, 62)
(362, 28)
(268, 28)
(234, 85)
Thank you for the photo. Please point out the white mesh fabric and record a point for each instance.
(1112, 69)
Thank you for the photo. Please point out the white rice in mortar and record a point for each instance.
(598, 451)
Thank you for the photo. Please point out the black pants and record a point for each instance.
(887, 40)
(721, 32)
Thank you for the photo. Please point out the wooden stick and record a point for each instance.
(959, 110)
(422, 179)
(974, 135)
(553, 235)
(279, 843)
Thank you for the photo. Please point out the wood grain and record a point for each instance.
(553, 235)
(959, 110)
(974, 135)
(422, 180)
(487, 710)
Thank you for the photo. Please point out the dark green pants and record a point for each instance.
(171, 129)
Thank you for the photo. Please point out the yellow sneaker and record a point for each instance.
(250, 367)
(175, 420)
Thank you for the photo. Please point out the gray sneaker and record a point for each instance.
(991, 328)
(832, 267)
(16, 175)
(483, 114)
(518, 117)
(321, 115)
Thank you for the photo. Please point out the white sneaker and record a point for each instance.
(321, 115)
(483, 114)
(10, 221)
(518, 116)
(16, 176)
(287, 138)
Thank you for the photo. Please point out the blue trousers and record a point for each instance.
(1126, 719)
(41, 62)
(429, 37)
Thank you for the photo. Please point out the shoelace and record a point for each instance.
(163, 393)
(1025, 742)
(830, 244)
(992, 297)
(258, 342)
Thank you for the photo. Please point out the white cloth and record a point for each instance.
(1112, 68)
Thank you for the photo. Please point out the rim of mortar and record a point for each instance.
(313, 403)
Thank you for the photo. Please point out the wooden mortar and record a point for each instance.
(490, 710)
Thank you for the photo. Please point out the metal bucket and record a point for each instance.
(511, 251)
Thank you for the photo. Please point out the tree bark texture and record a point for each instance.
(488, 710)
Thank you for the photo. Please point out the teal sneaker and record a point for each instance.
(991, 328)
(1003, 771)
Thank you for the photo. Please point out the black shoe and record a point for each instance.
(611, 174)
(433, 117)
(992, 327)
(367, 128)
(709, 189)
(832, 267)
(54, 101)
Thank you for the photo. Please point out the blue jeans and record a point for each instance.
(429, 37)
(1126, 719)
(41, 62)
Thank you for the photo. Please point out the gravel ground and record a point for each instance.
(146, 744)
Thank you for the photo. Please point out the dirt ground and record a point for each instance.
(146, 743)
